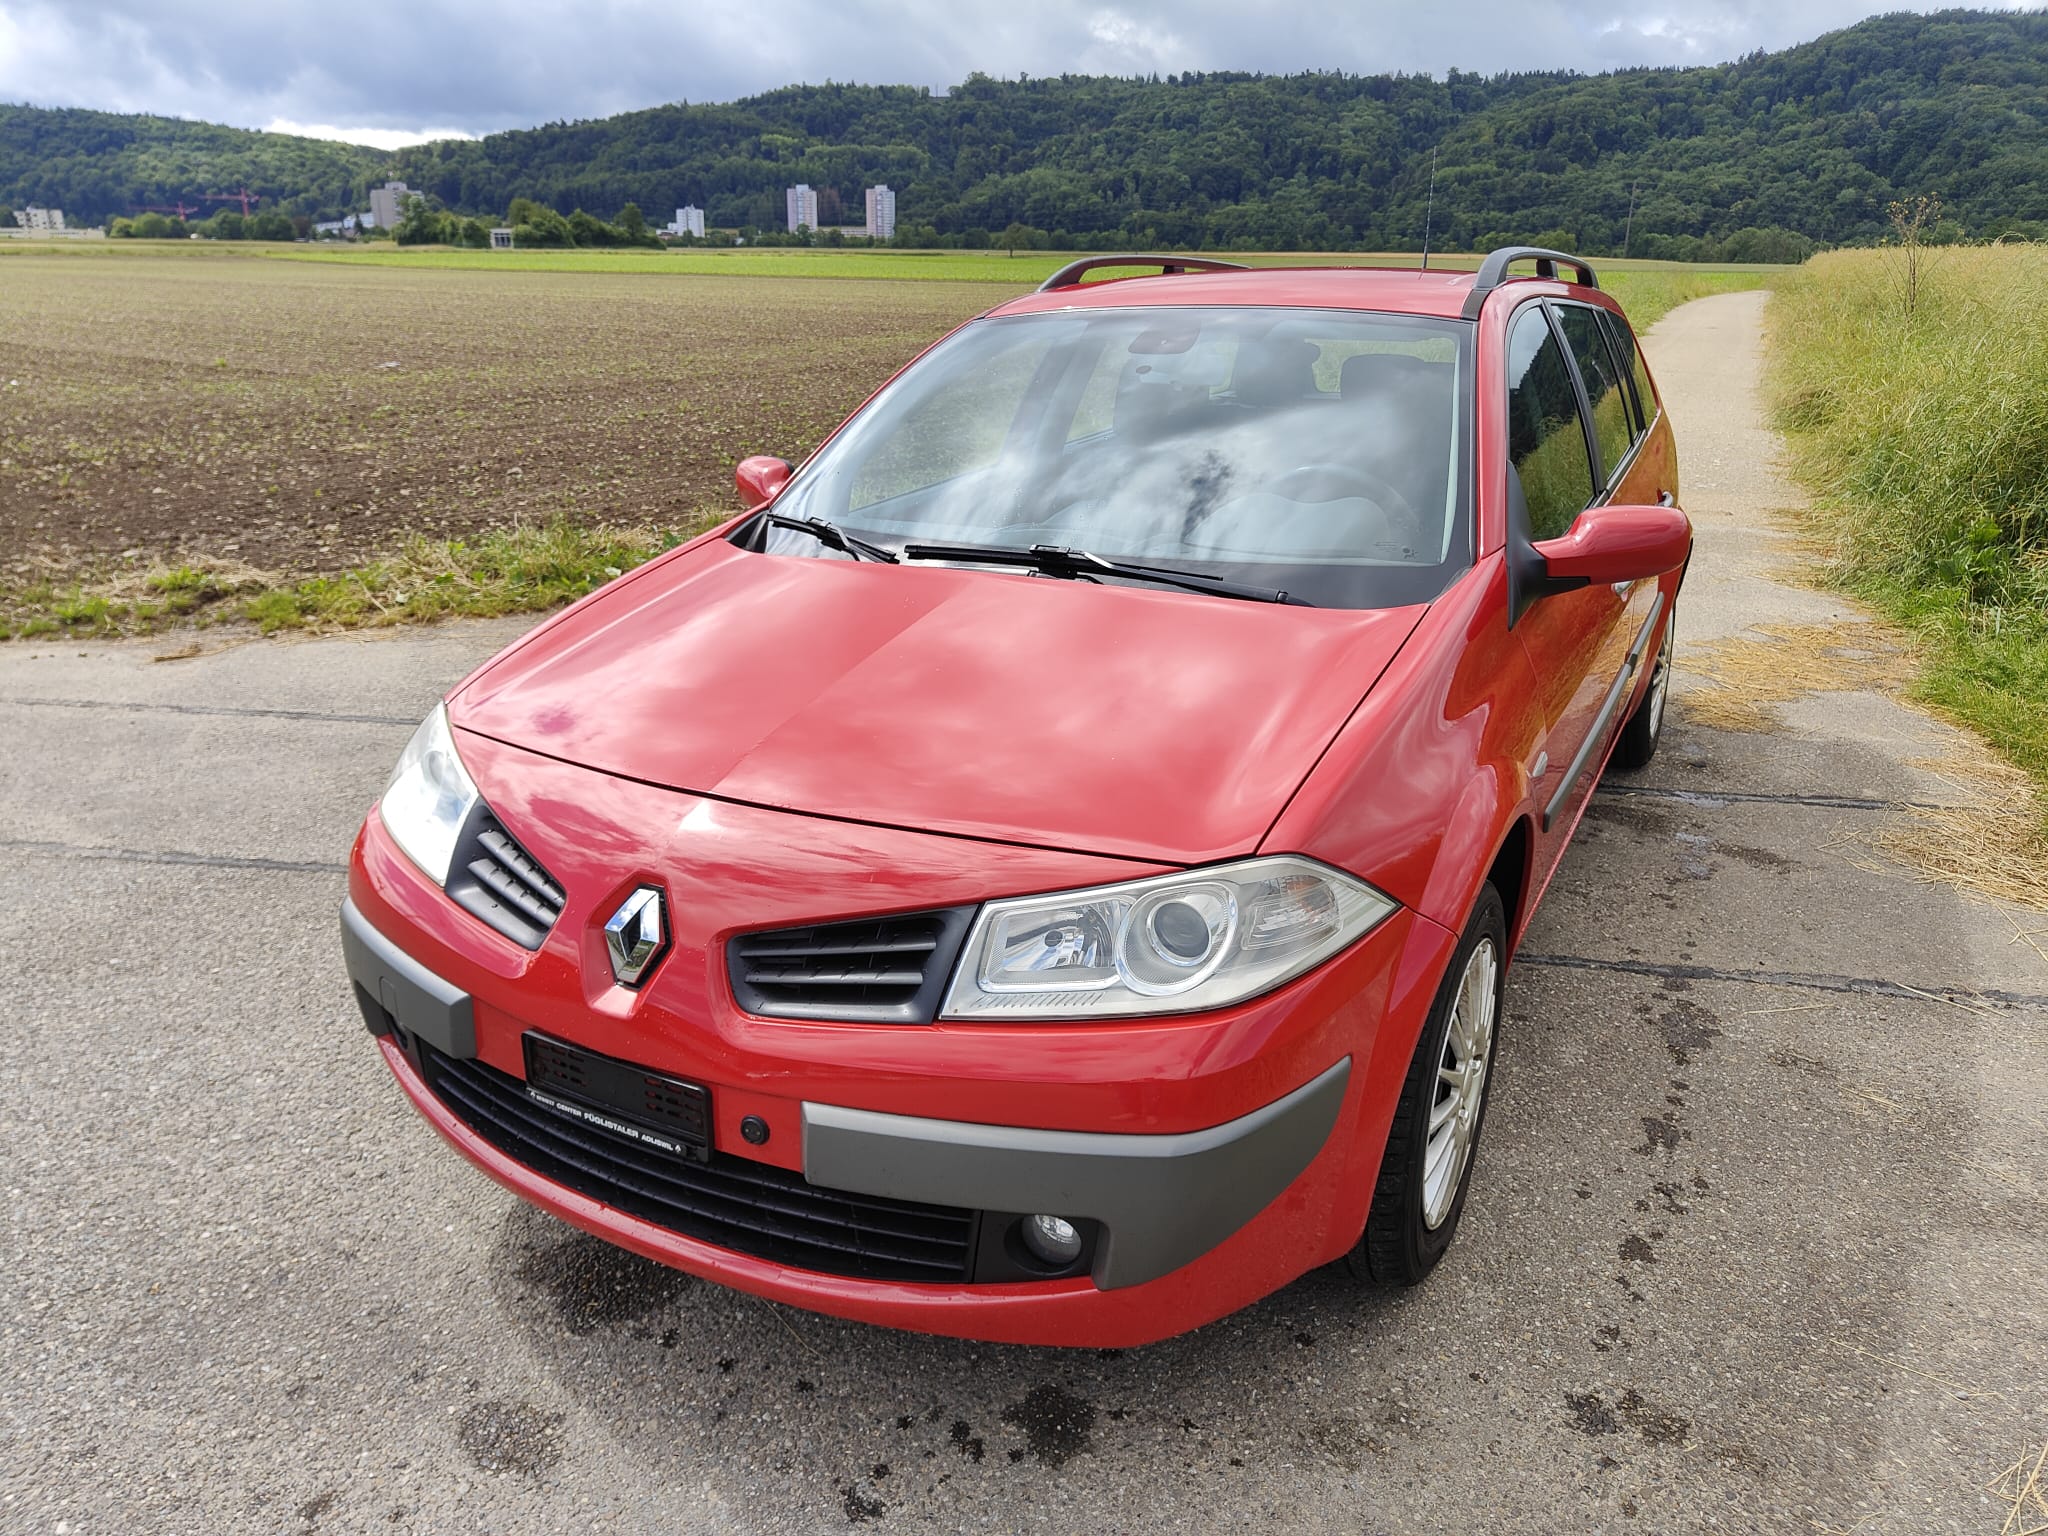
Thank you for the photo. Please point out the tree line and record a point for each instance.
(227, 224)
(1760, 159)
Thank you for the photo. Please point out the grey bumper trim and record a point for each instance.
(386, 976)
(1163, 1201)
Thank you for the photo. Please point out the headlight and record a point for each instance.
(1204, 939)
(429, 797)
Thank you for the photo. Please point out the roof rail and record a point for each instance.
(1494, 271)
(1071, 274)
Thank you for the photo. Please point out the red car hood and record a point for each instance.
(1152, 724)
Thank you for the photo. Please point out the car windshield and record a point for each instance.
(1323, 452)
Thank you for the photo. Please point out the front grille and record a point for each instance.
(885, 969)
(493, 878)
(748, 1207)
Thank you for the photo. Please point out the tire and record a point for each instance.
(1637, 743)
(1417, 1202)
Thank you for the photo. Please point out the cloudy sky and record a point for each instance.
(390, 71)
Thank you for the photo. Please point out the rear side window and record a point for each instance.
(1631, 357)
(1546, 441)
(1605, 392)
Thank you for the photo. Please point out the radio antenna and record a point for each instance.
(1429, 218)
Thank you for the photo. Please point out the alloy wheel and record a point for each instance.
(1660, 684)
(1460, 1084)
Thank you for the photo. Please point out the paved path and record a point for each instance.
(1744, 1254)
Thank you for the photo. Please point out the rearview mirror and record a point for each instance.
(761, 477)
(1618, 544)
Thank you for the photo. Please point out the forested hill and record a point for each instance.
(95, 165)
(1815, 140)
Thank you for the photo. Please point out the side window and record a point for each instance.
(1546, 441)
(1605, 392)
(1622, 352)
(1631, 357)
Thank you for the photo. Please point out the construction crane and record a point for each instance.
(178, 210)
(245, 197)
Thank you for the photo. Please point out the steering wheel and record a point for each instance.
(1355, 480)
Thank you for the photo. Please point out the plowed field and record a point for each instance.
(300, 418)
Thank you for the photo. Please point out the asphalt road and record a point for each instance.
(1757, 1239)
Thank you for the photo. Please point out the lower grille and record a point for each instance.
(748, 1207)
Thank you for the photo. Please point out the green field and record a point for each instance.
(1646, 288)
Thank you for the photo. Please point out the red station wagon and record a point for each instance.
(1046, 872)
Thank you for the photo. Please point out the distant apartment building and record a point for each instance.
(689, 221)
(802, 205)
(881, 213)
(387, 204)
(47, 224)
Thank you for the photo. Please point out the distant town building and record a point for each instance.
(689, 221)
(340, 229)
(501, 239)
(387, 205)
(881, 213)
(802, 204)
(33, 223)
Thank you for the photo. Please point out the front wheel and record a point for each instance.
(1637, 743)
(1430, 1150)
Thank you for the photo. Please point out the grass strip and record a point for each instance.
(517, 570)
(1646, 288)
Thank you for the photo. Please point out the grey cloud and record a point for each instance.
(403, 64)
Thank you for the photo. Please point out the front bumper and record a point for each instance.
(1161, 1201)
(1215, 1157)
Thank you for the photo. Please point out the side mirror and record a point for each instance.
(760, 478)
(1618, 544)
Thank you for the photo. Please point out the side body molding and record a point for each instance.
(1603, 723)
(1163, 1201)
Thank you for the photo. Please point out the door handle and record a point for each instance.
(1666, 499)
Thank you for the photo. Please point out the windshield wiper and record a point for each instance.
(832, 536)
(1056, 560)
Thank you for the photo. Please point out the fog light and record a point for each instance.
(1052, 1240)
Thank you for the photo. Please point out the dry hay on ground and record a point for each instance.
(1993, 841)
(2023, 1489)
(1751, 673)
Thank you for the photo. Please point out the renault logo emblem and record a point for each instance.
(637, 936)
